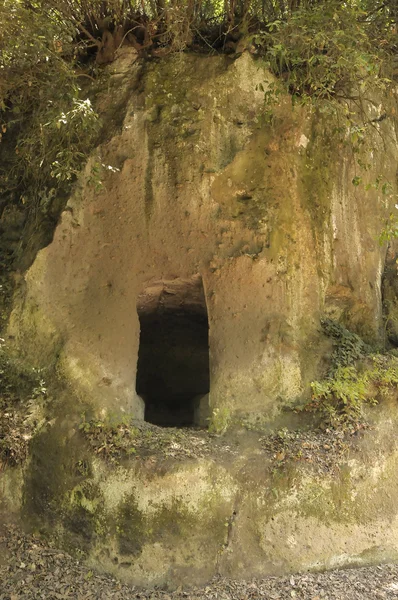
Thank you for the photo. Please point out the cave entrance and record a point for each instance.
(173, 357)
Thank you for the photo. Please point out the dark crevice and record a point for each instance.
(173, 360)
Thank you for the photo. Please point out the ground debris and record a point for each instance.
(23, 394)
(32, 570)
(321, 450)
(144, 440)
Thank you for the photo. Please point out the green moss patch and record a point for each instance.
(318, 173)
(136, 528)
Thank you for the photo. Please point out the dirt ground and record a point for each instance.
(29, 569)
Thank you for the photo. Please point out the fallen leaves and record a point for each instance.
(34, 571)
(321, 449)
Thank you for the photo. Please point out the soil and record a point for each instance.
(142, 440)
(30, 569)
(321, 449)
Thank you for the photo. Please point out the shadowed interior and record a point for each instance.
(173, 359)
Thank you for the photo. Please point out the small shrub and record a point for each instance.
(355, 378)
(326, 51)
(348, 346)
(339, 399)
(46, 128)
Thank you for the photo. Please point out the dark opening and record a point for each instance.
(173, 358)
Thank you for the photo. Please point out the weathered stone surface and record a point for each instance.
(202, 412)
(197, 183)
(235, 513)
(11, 485)
(208, 207)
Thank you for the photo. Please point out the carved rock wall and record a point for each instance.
(197, 182)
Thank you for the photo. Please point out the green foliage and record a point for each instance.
(326, 52)
(339, 398)
(390, 229)
(338, 58)
(47, 130)
(321, 50)
(220, 420)
(348, 346)
(171, 25)
(355, 377)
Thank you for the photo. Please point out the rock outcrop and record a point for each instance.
(198, 183)
(186, 288)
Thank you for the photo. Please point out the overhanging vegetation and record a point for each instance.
(319, 49)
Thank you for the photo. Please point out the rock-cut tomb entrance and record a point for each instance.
(173, 376)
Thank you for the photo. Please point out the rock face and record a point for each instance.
(187, 288)
(226, 507)
(198, 184)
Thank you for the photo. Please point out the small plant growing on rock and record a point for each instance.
(356, 377)
(220, 420)
(339, 398)
(348, 346)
